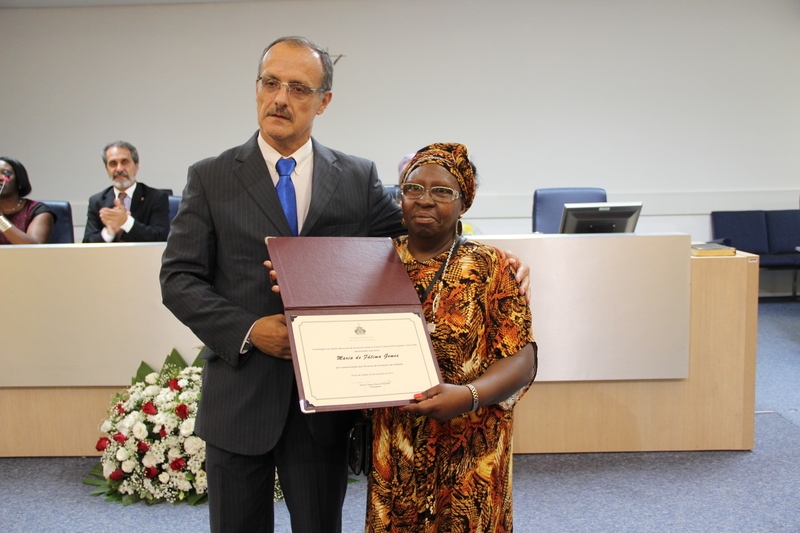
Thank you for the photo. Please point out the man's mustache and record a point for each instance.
(280, 112)
(121, 173)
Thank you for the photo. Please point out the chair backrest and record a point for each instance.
(62, 231)
(548, 205)
(783, 228)
(174, 202)
(744, 230)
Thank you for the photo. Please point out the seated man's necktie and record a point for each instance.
(125, 199)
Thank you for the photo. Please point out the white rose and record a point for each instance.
(123, 427)
(193, 444)
(106, 426)
(149, 460)
(187, 427)
(128, 466)
(108, 468)
(152, 390)
(184, 485)
(122, 454)
(140, 431)
(129, 421)
(174, 453)
(163, 477)
(151, 378)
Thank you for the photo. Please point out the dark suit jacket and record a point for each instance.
(214, 281)
(149, 208)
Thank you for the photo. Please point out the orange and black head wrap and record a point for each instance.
(454, 158)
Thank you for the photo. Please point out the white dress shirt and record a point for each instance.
(126, 227)
(301, 175)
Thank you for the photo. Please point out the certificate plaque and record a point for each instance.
(356, 327)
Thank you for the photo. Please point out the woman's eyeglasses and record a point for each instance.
(414, 191)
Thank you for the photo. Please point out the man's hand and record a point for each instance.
(114, 217)
(273, 277)
(269, 334)
(523, 275)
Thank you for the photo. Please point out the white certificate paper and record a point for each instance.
(353, 361)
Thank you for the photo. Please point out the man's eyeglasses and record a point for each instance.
(294, 89)
(415, 191)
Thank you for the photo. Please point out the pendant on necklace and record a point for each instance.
(431, 327)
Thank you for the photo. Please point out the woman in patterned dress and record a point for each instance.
(443, 463)
(22, 221)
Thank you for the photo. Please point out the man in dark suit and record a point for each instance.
(213, 279)
(127, 211)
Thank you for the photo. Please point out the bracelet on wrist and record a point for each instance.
(475, 397)
(5, 225)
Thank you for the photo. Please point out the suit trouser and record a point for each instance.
(313, 479)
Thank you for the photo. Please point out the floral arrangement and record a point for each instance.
(150, 451)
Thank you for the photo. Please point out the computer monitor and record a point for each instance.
(600, 217)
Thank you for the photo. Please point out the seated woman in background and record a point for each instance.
(443, 463)
(22, 221)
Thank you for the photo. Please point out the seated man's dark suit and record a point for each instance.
(149, 208)
(214, 281)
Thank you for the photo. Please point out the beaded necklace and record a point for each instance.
(435, 306)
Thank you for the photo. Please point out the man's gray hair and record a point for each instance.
(327, 64)
(121, 144)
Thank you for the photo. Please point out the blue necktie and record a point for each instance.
(285, 190)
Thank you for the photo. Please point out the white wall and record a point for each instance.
(687, 105)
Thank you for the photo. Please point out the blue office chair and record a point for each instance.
(548, 204)
(744, 230)
(62, 231)
(174, 202)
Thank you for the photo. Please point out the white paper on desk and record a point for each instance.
(360, 360)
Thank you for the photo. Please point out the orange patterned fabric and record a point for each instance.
(454, 477)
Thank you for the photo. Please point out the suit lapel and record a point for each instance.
(108, 198)
(324, 182)
(251, 170)
(137, 199)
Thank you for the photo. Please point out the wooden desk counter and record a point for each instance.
(59, 414)
(713, 409)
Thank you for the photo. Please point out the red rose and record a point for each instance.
(120, 409)
(117, 475)
(163, 432)
(142, 446)
(182, 410)
(149, 408)
(119, 437)
(150, 472)
(173, 384)
(178, 464)
(102, 444)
